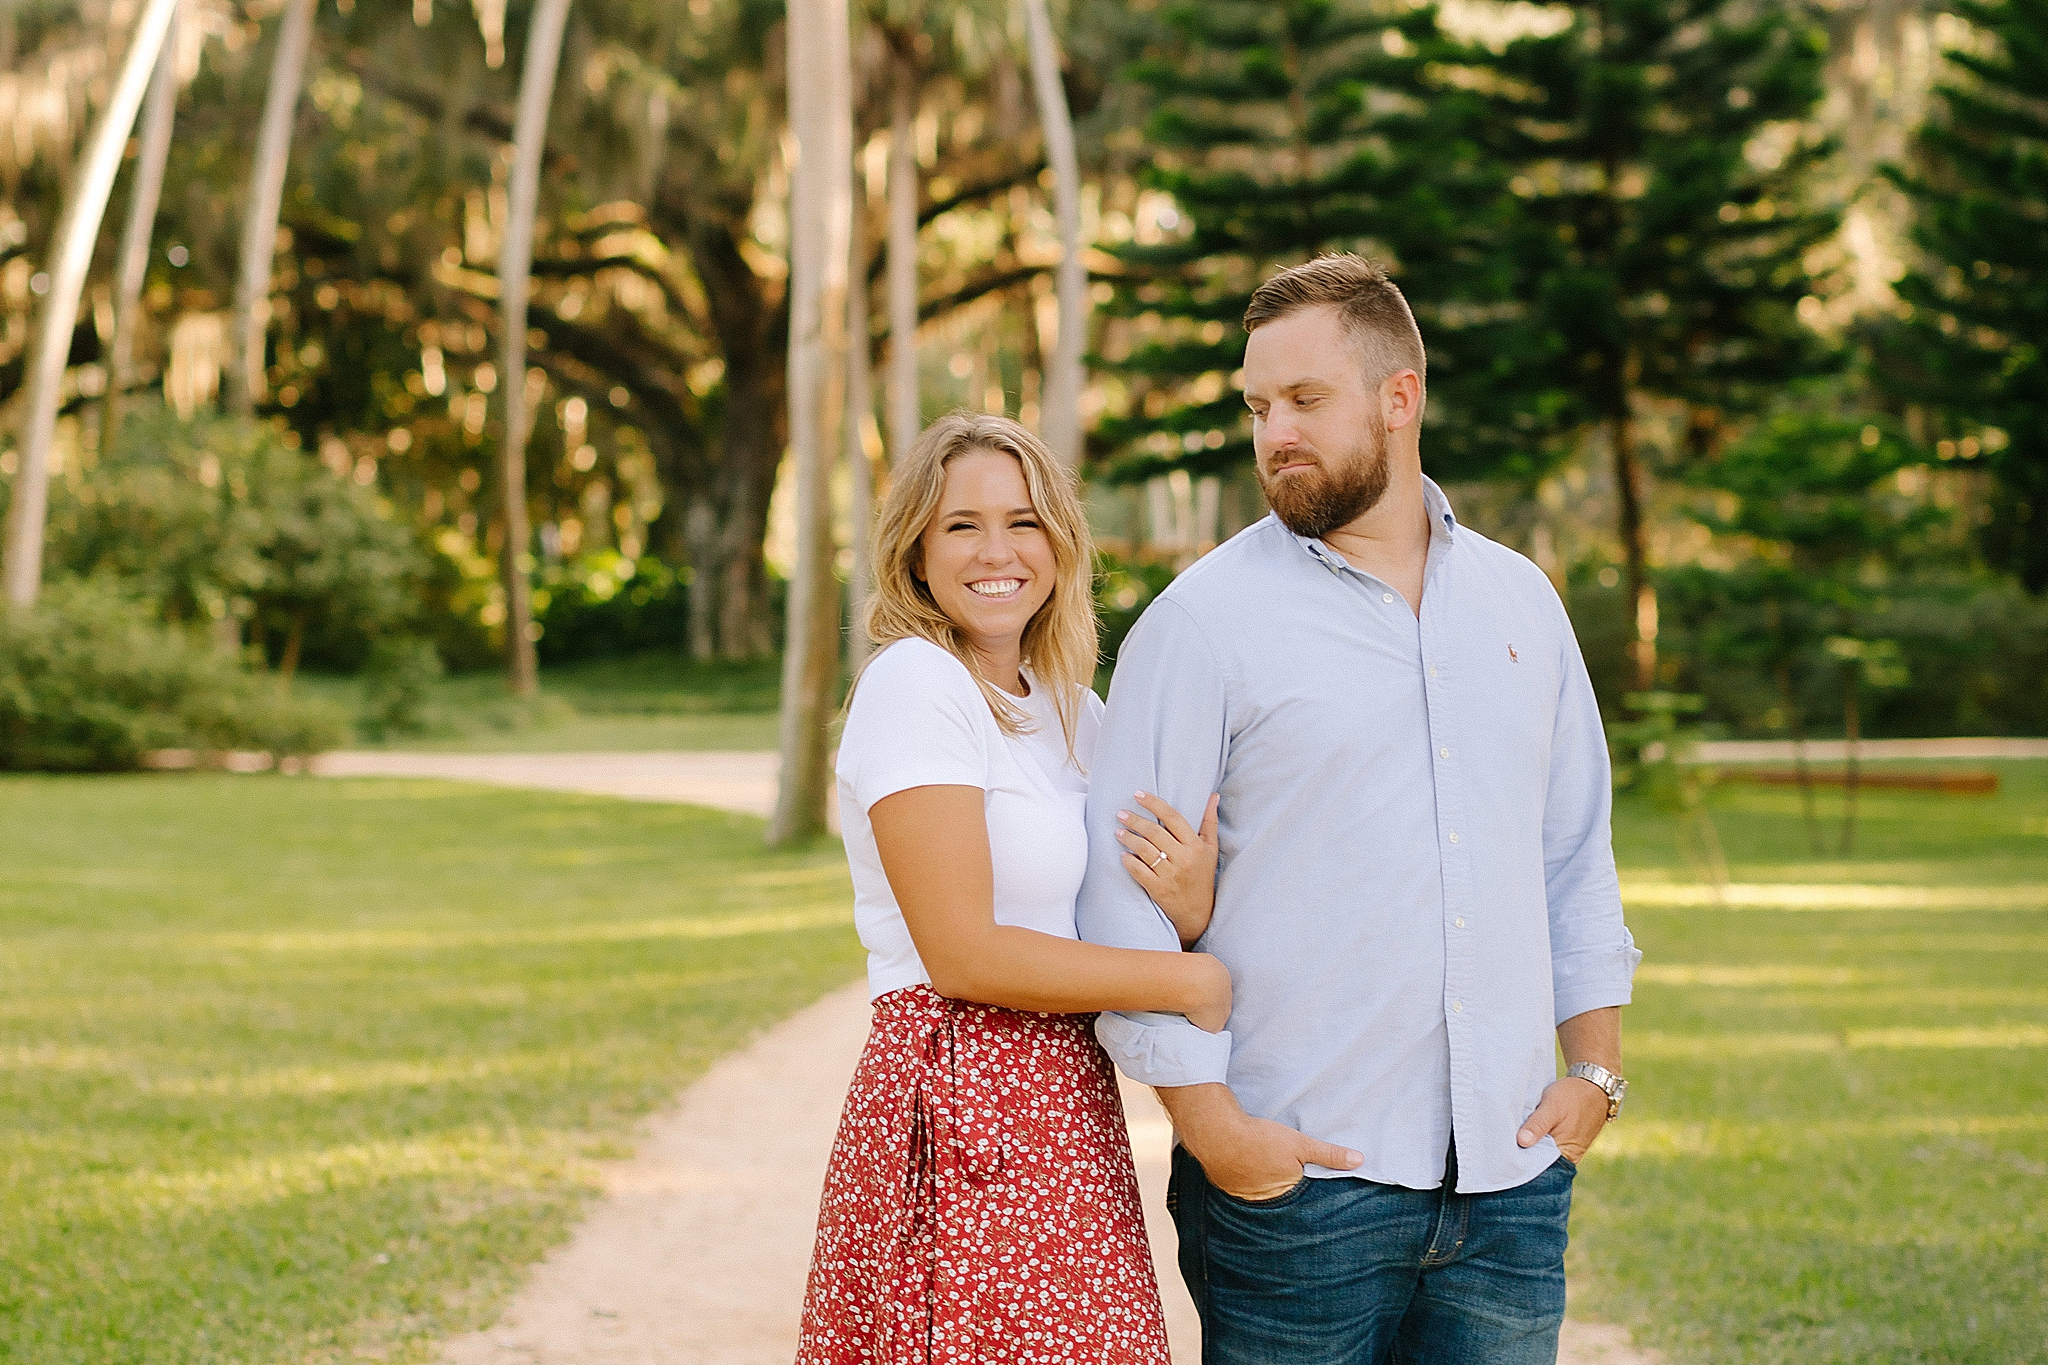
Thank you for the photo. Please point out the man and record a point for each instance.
(1417, 885)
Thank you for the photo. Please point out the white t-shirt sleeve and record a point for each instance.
(917, 720)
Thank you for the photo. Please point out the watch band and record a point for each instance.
(1615, 1087)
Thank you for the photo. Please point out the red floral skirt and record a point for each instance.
(981, 1207)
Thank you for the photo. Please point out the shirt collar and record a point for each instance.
(1442, 522)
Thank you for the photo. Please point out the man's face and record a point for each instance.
(1317, 428)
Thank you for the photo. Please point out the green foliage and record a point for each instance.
(315, 1070)
(603, 605)
(1122, 592)
(224, 521)
(1282, 131)
(1612, 209)
(398, 683)
(90, 680)
(1971, 345)
(1665, 208)
(1822, 543)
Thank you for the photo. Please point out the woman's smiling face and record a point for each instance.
(987, 558)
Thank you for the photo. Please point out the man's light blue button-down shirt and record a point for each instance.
(1417, 881)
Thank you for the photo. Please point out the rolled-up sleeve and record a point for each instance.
(1592, 955)
(1164, 732)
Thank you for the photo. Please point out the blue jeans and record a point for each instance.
(1346, 1272)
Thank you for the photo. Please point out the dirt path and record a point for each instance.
(697, 1252)
(696, 1255)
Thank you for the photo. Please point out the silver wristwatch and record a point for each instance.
(1615, 1086)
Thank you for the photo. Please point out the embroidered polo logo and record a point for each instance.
(1513, 657)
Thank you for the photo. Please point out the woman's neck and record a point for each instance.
(1003, 669)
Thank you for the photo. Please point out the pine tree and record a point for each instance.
(1282, 131)
(1664, 245)
(1972, 346)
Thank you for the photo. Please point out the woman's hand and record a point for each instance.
(1173, 862)
(1209, 1010)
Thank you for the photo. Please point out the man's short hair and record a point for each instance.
(1372, 308)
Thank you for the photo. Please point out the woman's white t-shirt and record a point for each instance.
(919, 720)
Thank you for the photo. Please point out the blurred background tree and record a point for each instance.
(1634, 233)
(1974, 310)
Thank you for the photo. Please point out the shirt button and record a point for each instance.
(1457, 1007)
(1432, 670)
(1460, 921)
(1386, 597)
(1443, 753)
(1454, 836)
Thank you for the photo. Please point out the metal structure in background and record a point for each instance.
(21, 571)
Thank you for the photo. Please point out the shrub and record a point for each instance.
(90, 681)
(397, 683)
(223, 520)
(604, 605)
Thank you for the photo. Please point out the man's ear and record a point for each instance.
(1401, 399)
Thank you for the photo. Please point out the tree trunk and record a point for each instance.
(821, 201)
(22, 575)
(294, 644)
(905, 416)
(1060, 406)
(700, 534)
(1642, 594)
(860, 404)
(245, 381)
(515, 280)
(157, 117)
(1800, 770)
(751, 441)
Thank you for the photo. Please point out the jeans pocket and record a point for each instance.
(1281, 1200)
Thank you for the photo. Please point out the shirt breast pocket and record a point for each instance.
(1516, 686)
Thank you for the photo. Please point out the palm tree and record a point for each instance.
(21, 574)
(904, 413)
(1060, 420)
(266, 192)
(820, 203)
(515, 266)
(157, 116)
(860, 403)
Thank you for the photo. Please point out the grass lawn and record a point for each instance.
(297, 1070)
(1837, 1140)
(660, 701)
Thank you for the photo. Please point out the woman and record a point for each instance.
(981, 1204)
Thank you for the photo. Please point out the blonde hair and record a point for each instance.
(1060, 642)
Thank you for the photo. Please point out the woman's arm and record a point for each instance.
(934, 847)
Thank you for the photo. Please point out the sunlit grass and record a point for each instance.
(1836, 1148)
(297, 1070)
(660, 700)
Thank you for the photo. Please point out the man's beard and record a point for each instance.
(1315, 502)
